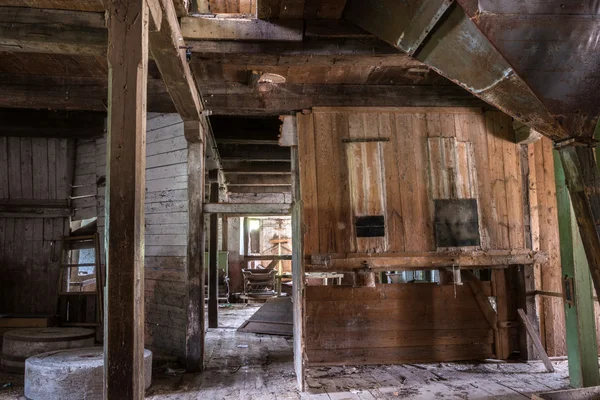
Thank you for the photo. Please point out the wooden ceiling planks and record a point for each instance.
(76, 5)
(232, 6)
(294, 9)
(81, 5)
(53, 65)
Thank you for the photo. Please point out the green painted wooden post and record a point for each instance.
(581, 328)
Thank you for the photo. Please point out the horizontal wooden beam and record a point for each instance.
(89, 94)
(258, 180)
(258, 209)
(253, 152)
(424, 261)
(52, 31)
(75, 6)
(252, 168)
(210, 28)
(268, 257)
(34, 211)
(55, 124)
(259, 189)
(248, 141)
(84, 33)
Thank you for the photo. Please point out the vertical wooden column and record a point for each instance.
(195, 252)
(213, 270)
(501, 339)
(579, 309)
(297, 270)
(126, 163)
(526, 273)
(583, 181)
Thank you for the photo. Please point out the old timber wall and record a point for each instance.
(394, 163)
(166, 224)
(36, 173)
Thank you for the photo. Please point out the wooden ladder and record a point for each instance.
(80, 282)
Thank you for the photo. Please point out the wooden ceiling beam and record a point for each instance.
(252, 152)
(200, 27)
(258, 180)
(52, 124)
(250, 168)
(259, 189)
(89, 94)
(52, 31)
(84, 33)
(98, 6)
(248, 141)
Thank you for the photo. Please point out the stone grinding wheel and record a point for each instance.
(20, 344)
(74, 374)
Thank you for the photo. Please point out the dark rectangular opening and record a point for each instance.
(370, 226)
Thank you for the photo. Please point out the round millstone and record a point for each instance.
(75, 374)
(20, 344)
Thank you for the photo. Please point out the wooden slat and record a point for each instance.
(499, 289)
(536, 340)
(308, 180)
(213, 285)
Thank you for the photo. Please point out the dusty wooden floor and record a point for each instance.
(255, 367)
(246, 366)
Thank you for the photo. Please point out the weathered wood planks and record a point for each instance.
(34, 197)
(432, 153)
(394, 324)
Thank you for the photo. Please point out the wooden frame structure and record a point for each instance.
(137, 28)
(142, 29)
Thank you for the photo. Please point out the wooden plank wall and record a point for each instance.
(416, 155)
(166, 230)
(395, 324)
(545, 237)
(40, 170)
(407, 169)
(84, 181)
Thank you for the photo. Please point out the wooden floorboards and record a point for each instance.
(245, 366)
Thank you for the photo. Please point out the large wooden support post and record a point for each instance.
(194, 355)
(126, 160)
(579, 302)
(583, 181)
(297, 271)
(213, 270)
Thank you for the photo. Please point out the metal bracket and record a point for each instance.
(569, 291)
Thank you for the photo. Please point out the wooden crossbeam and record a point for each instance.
(250, 168)
(260, 189)
(247, 208)
(89, 94)
(168, 50)
(203, 28)
(426, 260)
(258, 180)
(57, 124)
